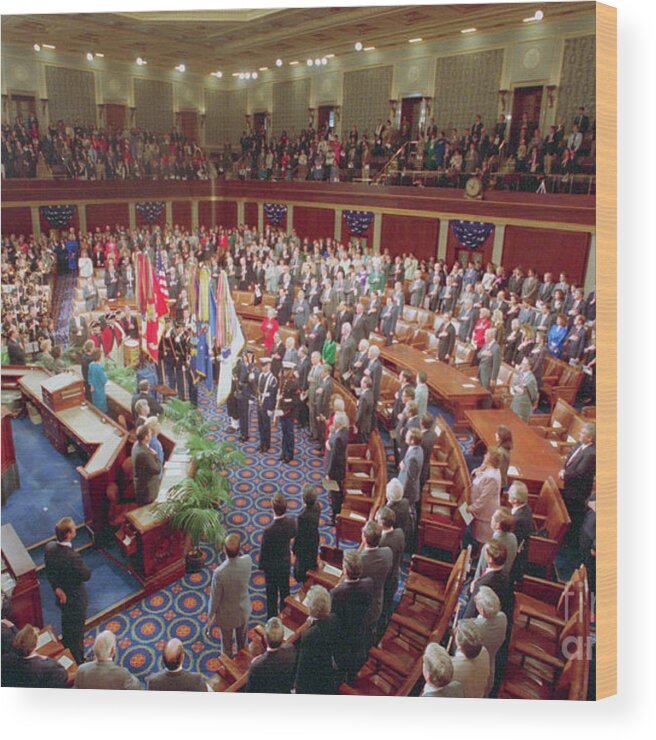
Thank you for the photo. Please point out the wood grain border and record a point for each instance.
(606, 238)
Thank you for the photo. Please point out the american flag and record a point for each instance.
(160, 274)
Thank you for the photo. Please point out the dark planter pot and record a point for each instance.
(194, 561)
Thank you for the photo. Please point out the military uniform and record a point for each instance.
(267, 386)
(245, 386)
(288, 404)
(167, 358)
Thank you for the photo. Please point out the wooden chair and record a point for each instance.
(463, 355)
(419, 339)
(550, 516)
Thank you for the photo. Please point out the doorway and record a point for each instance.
(115, 116)
(410, 116)
(259, 122)
(526, 111)
(325, 117)
(189, 124)
(21, 105)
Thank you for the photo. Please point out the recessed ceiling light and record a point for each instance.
(263, 69)
(140, 61)
(310, 62)
(37, 47)
(254, 75)
(369, 48)
(291, 64)
(279, 62)
(358, 45)
(535, 18)
(89, 56)
(324, 60)
(49, 46)
(98, 54)
(181, 68)
(317, 62)
(468, 30)
(414, 41)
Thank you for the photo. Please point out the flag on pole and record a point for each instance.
(229, 337)
(156, 306)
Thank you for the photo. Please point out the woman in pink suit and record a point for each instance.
(269, 327)
(485, 500)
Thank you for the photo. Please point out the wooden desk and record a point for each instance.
(10, 479)
(18, 566)
(50, 646)
(455, 390)
(533, 456)
(255, 313)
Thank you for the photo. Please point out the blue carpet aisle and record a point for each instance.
(62, 304)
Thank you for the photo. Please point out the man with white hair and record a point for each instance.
(103, 673)
(314, 670)
(489, 360)
(347, 349)
(471, 664)
(492, 623)
(275, 670)
(437, 668)
(399, 505)
(374, 370)
(578, 477)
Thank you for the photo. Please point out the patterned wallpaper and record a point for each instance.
(290, 106)
(366, 99)
(467, 85)
(71, 95)
(577, 80)
(224, 119)
(153, 101)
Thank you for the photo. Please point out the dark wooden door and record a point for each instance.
(526, 110)
(326, 117)
(115, 116)
(411, 112)
(259, 122)
(189, 124)
(22, 105)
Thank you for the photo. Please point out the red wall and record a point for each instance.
(250, 214)
(182, 213)
(226, 213)
(205, 209)
(547, 250)
(314, 222)
(107, 213)
(402, 234)
(453, 246)
(17, 221)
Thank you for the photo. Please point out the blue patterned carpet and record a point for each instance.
(62, 304)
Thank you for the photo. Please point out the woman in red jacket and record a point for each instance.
(269, 327)
(480, 327)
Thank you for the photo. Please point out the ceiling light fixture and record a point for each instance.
(98, 54)
(317, 62)
(263, 69)
(291, 64)
(414, 41)
(468, 30)
(535, 18)
(236, 74)
(358, 45)
(310, 62)
(181, 68)
(324, 60)
(369, 48)
(140, 61)
(330, 56)
(49, 46)
(89, 56)
(254, 75)
(37, 47)
(279, 62)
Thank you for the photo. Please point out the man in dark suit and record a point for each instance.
(364, 413)
(275, 557)
(85, 361)
(582, 121)
(347, 350)
(388, 318)
(446, 335)
(274, 671)
(336, 460)
(78, 330)
(578, 477)
(374, 370)
(145, 394)
(15, 348)
(359, 329)
(523, 516)
(147, 468)
(23, 667)
(306, 542)
(351, 600)
(315, 673)
(174, 677)
(428, 439)
(489, 360)
(377, 563)
(323, 397)
(494, 577)
(67, 574)
(394, 538)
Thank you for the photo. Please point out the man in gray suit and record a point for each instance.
(410, 473)
(324, 394)
(174, 677)
(230, 603)
(377, 563)
(489, 361)
(347, 350)
(103, 673)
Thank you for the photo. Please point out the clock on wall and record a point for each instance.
(474, 189)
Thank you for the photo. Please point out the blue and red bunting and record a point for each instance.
(59, 217)
(150, 211)
(471, 234)
(275, 212)
(357, 222)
